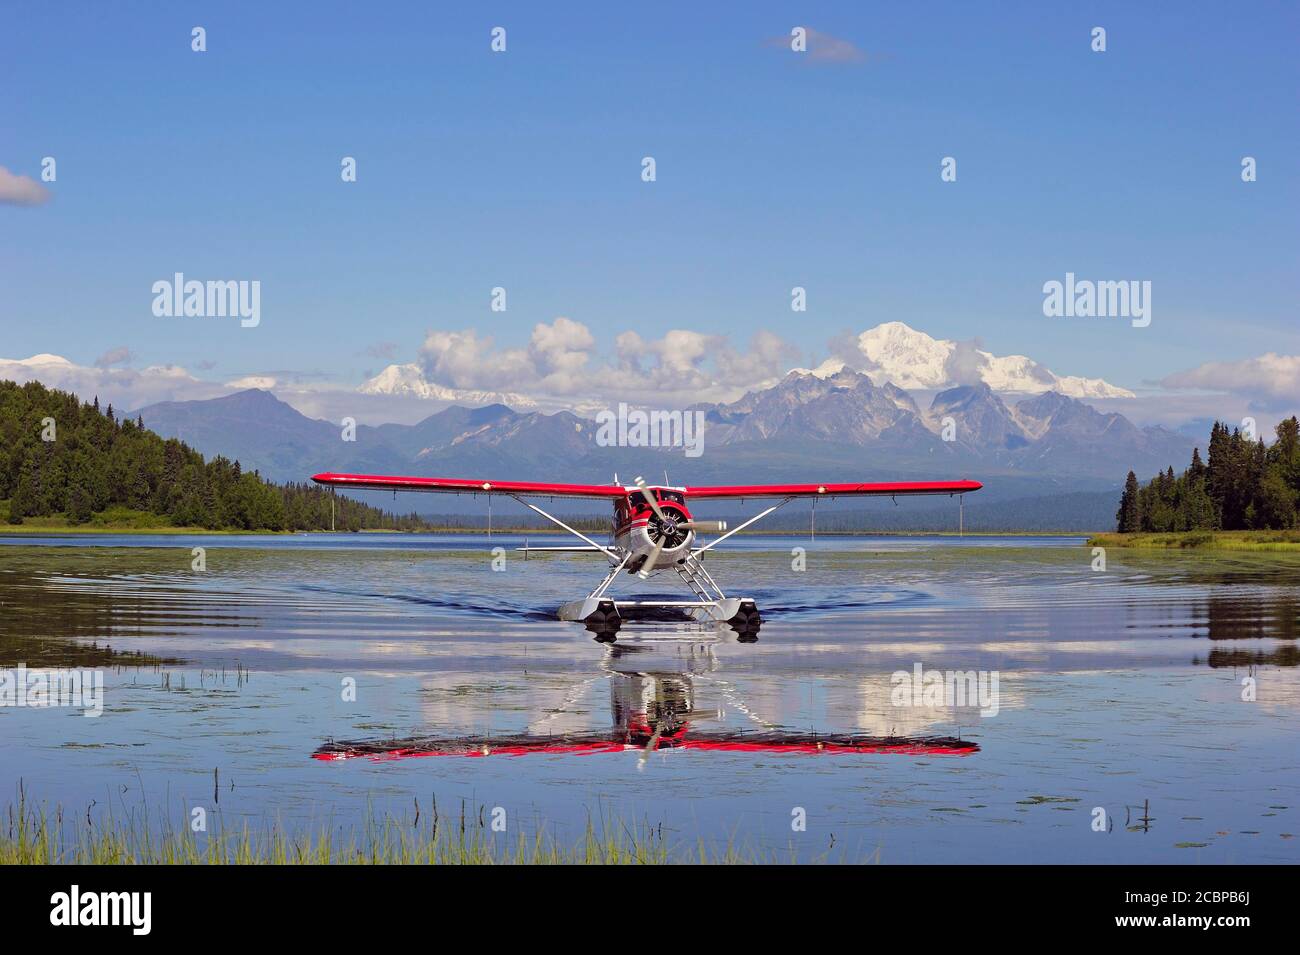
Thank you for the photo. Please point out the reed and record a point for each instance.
(39, 836)
(1279, 540)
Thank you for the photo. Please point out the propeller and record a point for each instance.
(644, 572)
(707, 527)
(666, 523)
(649, 562)
(650, 746)
(650, 498)
(710, 527)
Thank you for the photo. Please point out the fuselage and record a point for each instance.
(637, 530)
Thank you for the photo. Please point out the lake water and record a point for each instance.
(1162, 691)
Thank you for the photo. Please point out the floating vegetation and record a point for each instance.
(1040, 800)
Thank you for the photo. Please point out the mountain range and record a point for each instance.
(808, 426)
(891, 352)
(1047, 434)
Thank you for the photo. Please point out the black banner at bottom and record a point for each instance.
(332, 904)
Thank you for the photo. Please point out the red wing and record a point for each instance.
(616, 742)
(887, 489)
(465, 486)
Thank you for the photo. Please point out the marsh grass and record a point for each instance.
(38, 836)
(1281, 540)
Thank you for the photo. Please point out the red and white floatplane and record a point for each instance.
(652, 530)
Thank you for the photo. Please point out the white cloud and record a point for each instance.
(265, 382)
(1271, 380)
(127, 388)
(822, 48)
(561, 364)
(114, 356)
(463, 360)
(560, 352)
(562, 367)
(769, 357)
(16, 190)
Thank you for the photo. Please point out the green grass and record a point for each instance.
(1288, 540)
(39, 842)
(124, 520)
(869, 532)
(112, 520)
(39, 837)
(58, 524)
(37, 526)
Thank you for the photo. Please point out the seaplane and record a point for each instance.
(654, 708)
(652, 530)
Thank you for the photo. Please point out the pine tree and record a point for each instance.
(1274, 505)
(1244, 485)
(1128, 517)
(97, 464)
(79, 505)
(1216, 471)
(26, 498)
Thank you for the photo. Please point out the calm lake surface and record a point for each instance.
(1163, 690)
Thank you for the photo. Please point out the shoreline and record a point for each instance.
(55, 530)
(1282, 541)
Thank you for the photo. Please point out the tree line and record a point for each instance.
(1242, 485)
(59, 455)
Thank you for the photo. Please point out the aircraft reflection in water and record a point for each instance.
(652, 709)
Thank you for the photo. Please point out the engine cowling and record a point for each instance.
(649, 529)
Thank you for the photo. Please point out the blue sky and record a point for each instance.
(523, 170)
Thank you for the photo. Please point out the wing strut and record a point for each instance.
(578, 534)
(740, 527)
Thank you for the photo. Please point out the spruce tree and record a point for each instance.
(1128, 517)
(97, 464)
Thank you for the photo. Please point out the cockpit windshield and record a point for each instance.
(638, 501)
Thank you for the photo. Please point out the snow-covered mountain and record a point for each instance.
(842, 425)
(895, 352)
(1048, 433)
(890, 353)
(408, 380)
